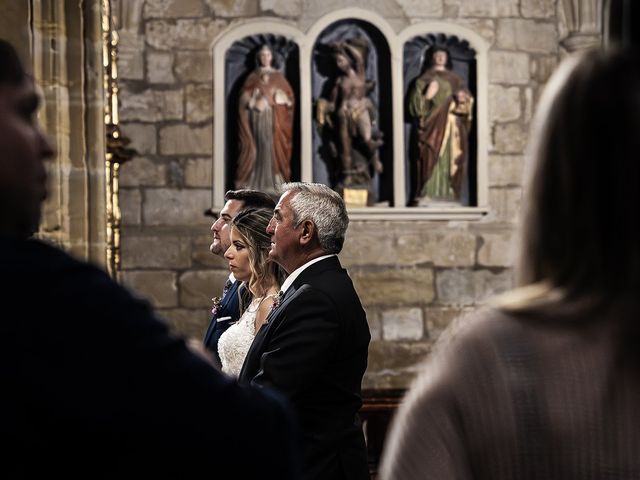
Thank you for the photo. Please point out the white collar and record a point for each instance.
(232, 278)
(291, 278)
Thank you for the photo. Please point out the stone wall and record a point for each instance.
(60, 45)
(413, 277)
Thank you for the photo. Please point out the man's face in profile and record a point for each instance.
(23, 150)
(220, 228)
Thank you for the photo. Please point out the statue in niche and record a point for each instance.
(441, 106)
(265, 127)
(348, 117)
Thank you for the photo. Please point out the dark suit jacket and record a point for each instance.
(313, 349)
(228, 313)
(93, 386)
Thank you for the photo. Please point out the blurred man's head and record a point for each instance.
(23, 149)
(235, 201)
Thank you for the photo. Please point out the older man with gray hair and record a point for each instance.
(313, 345)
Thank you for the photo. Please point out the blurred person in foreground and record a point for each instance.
(545, 384)
(93, 386)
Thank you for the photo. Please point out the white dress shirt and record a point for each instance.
(291, 278)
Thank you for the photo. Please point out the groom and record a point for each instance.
(226, 309)
(313, 346)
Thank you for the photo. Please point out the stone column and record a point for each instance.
(67, 65)
(13, 27)
(583, 21)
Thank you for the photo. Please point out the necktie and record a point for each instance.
(226, 288)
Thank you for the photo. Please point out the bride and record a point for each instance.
(249, 261)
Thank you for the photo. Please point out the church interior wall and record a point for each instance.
(413, 276)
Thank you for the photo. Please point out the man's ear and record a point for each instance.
(308, 232)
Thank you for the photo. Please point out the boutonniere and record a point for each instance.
(217, 302)
(277, 300)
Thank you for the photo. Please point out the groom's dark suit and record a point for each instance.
(313, 349)
(226, 315)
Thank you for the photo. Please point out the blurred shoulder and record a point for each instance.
(476, 329)
(38, 256)
(470, 347)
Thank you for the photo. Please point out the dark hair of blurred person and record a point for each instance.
(546, 384)
(581, 233)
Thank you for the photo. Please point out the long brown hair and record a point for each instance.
(251, 225)
(581, 223)
(580, 237)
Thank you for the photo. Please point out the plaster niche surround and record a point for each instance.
(305, 42)
(583, 21)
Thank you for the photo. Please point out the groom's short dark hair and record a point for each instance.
(251, 198)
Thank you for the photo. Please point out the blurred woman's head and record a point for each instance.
(248, 254)
(581, 231)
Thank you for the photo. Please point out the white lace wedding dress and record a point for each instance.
(234, 343)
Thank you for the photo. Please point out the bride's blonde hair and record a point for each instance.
(251, 225)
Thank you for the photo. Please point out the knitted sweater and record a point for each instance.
(520, 397)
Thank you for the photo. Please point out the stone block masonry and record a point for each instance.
(414, 277)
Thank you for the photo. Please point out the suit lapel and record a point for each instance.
(269, 321)
(313, 270)
(287, 295)
(252, 360)
(233, 289)
(331, 263)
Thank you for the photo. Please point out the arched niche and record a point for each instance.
(386, 41)
(233, 58)
(418, 56)
(392, 45)
(240, 62)
(327, 167)
(469, 56)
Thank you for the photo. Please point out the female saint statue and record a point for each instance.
(265, 127)
(441, 106)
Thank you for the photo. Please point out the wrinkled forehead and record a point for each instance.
(285, 199)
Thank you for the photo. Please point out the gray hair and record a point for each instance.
(324, 207)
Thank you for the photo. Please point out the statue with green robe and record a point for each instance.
(440, 105)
